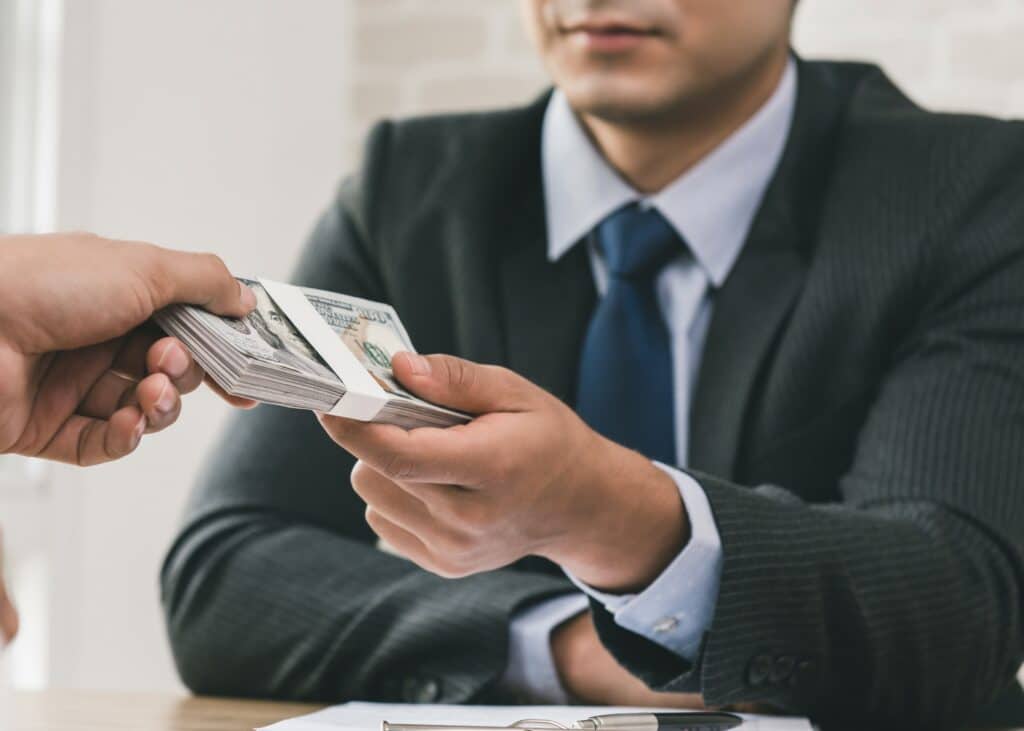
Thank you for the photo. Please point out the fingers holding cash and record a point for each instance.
(94, 405)
(110, 379)
(83, 374)
(170, 357)
(446, 456)
(199, 279)
(464, 385)
(117, 385)
(270, 356)
(525, 477)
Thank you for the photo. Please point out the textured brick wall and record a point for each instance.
(415, 56)
(963, 55)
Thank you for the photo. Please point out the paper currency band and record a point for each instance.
(364, 398)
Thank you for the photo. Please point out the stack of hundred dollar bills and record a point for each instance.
(266, 357)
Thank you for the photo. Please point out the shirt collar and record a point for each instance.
(711, 206)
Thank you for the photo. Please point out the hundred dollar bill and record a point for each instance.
(266, 357)
(370, 330)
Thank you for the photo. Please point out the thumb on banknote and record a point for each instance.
(464, 385)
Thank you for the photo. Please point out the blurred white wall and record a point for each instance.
(413, 56)
(947, 54)
(225, 124)
(203, 124)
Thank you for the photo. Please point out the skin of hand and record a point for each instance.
(525, 477)
(8, 614)
(591, 675)
(82, 376)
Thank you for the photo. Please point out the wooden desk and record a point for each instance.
(96, 711)
(58, 710)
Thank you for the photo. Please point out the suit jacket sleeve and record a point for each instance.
(274, 586)
(902, 601)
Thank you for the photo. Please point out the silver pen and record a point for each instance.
(683, 721)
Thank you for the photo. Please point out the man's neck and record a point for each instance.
(650, 154)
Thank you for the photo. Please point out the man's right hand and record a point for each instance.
(592, 676)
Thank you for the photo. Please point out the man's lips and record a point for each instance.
(608, 35)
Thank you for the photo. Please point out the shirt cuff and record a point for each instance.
(531, 676)
(676, 609)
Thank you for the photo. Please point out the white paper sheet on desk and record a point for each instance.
(367, 717)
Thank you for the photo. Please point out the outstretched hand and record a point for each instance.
(83, 376)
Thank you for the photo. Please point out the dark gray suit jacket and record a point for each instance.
(858, 426)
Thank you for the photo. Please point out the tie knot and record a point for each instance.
(637, 242)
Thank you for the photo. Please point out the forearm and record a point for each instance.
(898, 611)
(261, 607)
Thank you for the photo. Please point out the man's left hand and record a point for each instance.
(526, 476)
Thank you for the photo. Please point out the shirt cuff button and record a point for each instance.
(666, 624)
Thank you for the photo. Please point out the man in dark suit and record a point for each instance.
(766, 439)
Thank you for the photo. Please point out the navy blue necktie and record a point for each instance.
(625, 387)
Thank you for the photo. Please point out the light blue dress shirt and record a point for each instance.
(712, 207)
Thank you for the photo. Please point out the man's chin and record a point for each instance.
(619, 103)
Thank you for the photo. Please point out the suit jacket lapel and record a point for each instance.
(752, 306)
(748, 312)
(546, 306)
